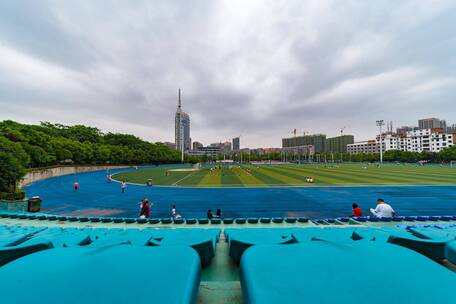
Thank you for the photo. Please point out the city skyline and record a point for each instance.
(258, 69)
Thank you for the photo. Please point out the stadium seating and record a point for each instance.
(202, 240)
(433, 249)
(434, 233)
(323, 234)
(330, 272)
(114, 274)
(241, 239)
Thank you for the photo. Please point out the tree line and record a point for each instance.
(24, 146)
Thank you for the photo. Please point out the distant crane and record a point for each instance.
(341, 143)
(342, 131)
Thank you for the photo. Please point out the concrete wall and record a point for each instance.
(40, 174)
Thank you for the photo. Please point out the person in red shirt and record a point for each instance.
(76, 186)
(145, 208)
(356, 210)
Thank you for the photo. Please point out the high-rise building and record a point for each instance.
(316, 140)
(402, 131)
(182, 128)
(236, 143)
(451, 129)
(227, 146)
(197, 145)
(338, 144)
(432, 123)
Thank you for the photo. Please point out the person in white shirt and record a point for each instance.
(383, 209)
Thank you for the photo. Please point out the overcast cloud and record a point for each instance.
(257, 69)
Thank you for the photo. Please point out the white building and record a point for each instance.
(430, 140)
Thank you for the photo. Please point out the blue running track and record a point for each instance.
(98, 198)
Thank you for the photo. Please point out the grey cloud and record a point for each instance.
(254, 68)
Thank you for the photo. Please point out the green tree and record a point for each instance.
(11, 171)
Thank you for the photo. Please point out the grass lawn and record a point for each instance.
(293, 175)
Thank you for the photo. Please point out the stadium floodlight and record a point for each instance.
(381, 123)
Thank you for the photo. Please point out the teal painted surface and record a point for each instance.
(330, 272)
(21, 239)
(20, 206)
(115, 274)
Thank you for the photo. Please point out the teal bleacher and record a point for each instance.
(113, 274)
(315, 263)
(53, 263)
(89, 265)
(330, 272)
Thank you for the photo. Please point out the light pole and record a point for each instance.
(381, 123)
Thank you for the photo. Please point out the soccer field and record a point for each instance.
(292, 175)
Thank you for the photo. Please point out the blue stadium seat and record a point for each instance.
(228, 220)
(11, 253)
(343, 219)
(191, 221)
(154, 221)
(202, 240)
(327, 272)
(433, 249)
(118, 274)
(290, 220)
(450, 251)
(241, 239)
(303, 219)
(323, 234)
(277, 220)
(178, 220)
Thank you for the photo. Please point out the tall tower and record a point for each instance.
(182, 127)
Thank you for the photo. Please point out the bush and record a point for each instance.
(6, 196)
(18, 195)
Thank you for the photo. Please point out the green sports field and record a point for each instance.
(292, 175)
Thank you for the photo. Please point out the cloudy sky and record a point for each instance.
(257, 69)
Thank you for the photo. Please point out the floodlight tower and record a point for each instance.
(381, 123)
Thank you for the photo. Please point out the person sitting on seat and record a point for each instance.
(383, 209)
(218, 213)
(356, 210)
(209, 214)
